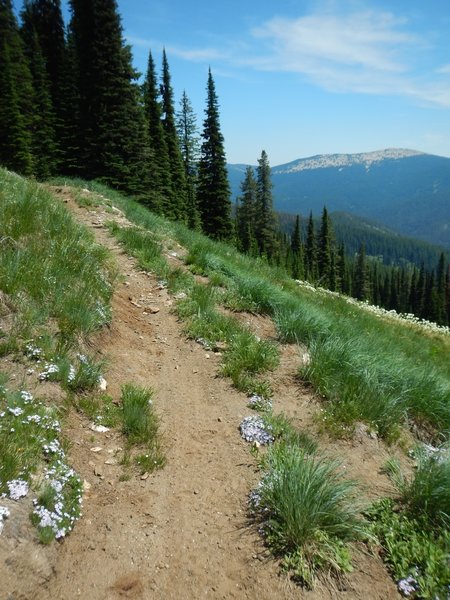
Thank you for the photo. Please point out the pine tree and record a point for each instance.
(47, 20)
(246, 213)
(213, 191)
(324, 251)
(177, 206)
(16, 93)
(190, 151)
(265, 229)
(160, 176)
(43, 126)
(311, 252)
(441, 309)
(297, 251)
(68, 135)
(113, 143)
(361, 289)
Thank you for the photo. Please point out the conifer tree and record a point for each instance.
(160, 177)
(311, 252)
(16, 94)
(44, 144)
(441, 309)
(177, 205)
(246, 213)
(47, 20)
(361, 289)
(190, 152)
(297, 251)
(113, 143)
(213, 191)
(265, 229)
(324, 251)
(68, 135)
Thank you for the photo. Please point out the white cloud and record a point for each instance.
(365, 39)
(364, 52)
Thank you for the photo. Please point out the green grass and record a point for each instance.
(246, 357)
(50, 267)
(140, 424)
(56, 286)
(308, 512)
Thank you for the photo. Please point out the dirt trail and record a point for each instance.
(180, 533)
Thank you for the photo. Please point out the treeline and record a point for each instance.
(71, 104)
(389, 247)
(310, 252)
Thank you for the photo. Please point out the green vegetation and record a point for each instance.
(55, 290)
(140, 424)
(305, 506)
(414, 528)
(50, 267)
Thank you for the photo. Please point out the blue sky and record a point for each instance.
(299, 78)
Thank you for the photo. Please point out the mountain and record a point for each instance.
(406, 190)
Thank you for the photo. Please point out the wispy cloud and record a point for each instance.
(367, 40)
(365, 52)
(368, 52)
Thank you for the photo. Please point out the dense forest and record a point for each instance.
(71, 104)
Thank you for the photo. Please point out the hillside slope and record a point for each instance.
(181, 532)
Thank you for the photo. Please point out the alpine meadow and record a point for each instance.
(222, 380)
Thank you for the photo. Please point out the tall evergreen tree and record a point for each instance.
(361, 289)
(246, 213)
(177, 206)
(190, 152)
(160, 176)
(213, 191)
(441, 308)
(113, 145)
(48, 23)
(16, 95)
(69, 136)
(44, 121)
(297, 251)
(324, 251)
(265, 229)
(311, 251)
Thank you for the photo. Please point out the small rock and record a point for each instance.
(102, 384)
(98, 428)
(98, 471)
(111, 461)
(195, 370)
(153, 310)
(206, 355)
(144, 476)
(97, 449)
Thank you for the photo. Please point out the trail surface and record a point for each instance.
(182, 533)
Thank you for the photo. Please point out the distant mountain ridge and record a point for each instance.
(406, 190)
(326, 161)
